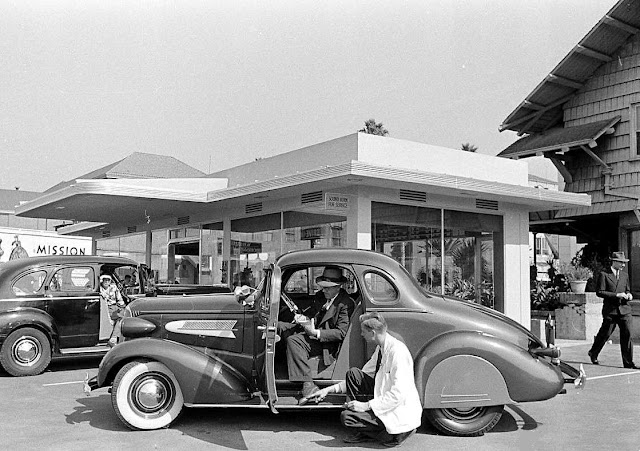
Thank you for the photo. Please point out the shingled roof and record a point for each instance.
(542, 108)
(140, 165)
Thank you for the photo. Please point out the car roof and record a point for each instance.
(15, 266)
(335, 256)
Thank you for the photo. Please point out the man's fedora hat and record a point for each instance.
(331, 277)
(619, 256)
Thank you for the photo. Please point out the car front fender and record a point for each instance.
(464, 363)
(203, 379)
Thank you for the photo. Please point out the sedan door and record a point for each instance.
(75, 305)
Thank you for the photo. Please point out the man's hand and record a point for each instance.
(357, 406)
(320, 395)
(299, 318)
(310, 330)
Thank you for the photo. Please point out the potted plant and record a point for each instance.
(577, 276)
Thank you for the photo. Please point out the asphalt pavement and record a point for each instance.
(50, 411)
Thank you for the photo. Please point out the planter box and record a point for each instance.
(581, 318)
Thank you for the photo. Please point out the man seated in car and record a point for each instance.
(321, 332)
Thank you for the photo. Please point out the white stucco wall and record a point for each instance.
(516, 266)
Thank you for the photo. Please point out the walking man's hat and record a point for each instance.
(619, 256)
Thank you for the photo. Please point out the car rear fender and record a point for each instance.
(203, 379)
(484, 365)
(11, 320)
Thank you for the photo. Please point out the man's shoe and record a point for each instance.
(398, 439)
(594, 359)
(358, 437)
(308, 389)
(632, 366)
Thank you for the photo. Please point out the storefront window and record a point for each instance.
(448, 252)
(469, 255)
(130, 246)
(257, 241)
(211, 261)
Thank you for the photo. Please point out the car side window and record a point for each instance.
(380, 289)
(73, 279)
(29, 284)
(297, 283)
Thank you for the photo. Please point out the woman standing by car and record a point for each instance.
(115, 303)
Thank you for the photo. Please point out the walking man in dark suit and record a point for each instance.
(322, 332)
(613, 287)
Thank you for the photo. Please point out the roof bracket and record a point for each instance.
(564, 172)
(595, 157)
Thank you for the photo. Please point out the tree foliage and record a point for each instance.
(373, 128)
(468, 147)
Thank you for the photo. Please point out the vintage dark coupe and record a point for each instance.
(50, 308)
(222, 350)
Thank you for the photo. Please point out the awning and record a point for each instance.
(559, 139)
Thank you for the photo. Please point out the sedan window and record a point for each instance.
(73, 279)
(29, 284)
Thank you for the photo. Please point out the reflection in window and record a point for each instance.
(379, 288)
(73, 279)
(456, 259)
(29, 284)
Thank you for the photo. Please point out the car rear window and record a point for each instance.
(29, 283)
(380, 289)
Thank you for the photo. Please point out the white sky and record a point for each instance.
(218, 83)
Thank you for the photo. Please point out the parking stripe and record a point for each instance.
(611, 375)
(63, 383)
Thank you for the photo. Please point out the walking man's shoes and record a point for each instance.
(594, 359)
(631, 366)
(358, 437)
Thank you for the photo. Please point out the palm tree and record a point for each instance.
(371, 128)
(468, 147)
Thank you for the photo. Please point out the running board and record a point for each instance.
(89, 350)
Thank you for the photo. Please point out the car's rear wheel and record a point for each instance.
(25, 352)
(146, 395)
(465, 422)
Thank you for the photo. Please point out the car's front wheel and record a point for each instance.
(25, 352)
(146, 395)
(465, 422)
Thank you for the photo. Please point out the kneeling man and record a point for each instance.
(382, 401)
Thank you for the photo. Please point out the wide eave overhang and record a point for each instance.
(122, 201)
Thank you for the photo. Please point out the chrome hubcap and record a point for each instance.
(152, 393)
(26, 351)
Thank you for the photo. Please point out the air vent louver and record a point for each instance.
(307, 198)
(106, 233)
(416, 196)
(487, 204)
(183, 220)
(253, 208)
(132, 229)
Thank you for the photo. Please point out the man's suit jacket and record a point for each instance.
(608, 286)
(332, 323)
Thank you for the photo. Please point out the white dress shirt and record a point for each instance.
(395, 397)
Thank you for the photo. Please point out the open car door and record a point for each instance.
(273, 289)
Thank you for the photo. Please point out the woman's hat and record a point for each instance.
(105, 277)
(331, 277)
(619, 256)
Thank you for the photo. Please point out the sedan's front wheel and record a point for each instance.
(465, 422)
(146, 395)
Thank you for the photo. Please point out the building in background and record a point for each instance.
(585, 118)
(457, 221)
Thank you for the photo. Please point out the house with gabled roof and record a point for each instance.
(584, 116)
